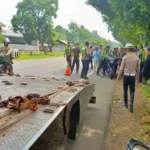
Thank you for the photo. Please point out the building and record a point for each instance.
(1, 26)
(61, 46)
(18, 42)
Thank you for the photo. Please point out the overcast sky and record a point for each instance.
(75, 10)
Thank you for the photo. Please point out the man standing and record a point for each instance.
(142, 60)
(75, 56)
(6, 51)
(146, 67)
(130, 67)
(67, 54)
(86, 53)
(102, 63)
(96, 55)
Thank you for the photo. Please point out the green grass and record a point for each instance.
(41, 55)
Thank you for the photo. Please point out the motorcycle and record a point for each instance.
(111, 63)
(136, 145)
(2, 65)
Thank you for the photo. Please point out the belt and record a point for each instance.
(129, 74)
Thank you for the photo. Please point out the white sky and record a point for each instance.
(75, 10)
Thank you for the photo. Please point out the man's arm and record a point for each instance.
(122, 67)
(138, 69)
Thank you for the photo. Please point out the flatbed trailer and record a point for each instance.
(22, 130)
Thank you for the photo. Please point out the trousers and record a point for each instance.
(85, 68)
(129, 82)
(75, 62)
(102, 64)
(91, 62)
(68, 59)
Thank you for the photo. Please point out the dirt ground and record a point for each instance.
(124, 125)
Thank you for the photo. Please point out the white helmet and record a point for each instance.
(6, 40)
(129, 46)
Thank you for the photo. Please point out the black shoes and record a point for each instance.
(131, 108)
(126, 106)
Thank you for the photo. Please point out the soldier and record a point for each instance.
(6, 51)
(67, 54)
(130, 68)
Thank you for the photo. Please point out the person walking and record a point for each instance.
(130, 68)
(102, 63)
(67, 54)
(86, 53)
(142, 58)
(75, 56)
(146, 67)
(96, 55)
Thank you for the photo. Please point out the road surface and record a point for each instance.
(93, 128)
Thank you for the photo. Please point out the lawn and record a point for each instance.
(41, 55)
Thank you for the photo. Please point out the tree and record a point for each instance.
(128, 20)
(34, 19)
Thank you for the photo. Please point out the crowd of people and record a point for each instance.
(133, 65)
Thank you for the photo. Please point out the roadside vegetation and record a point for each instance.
(125, 125)
(41, 55)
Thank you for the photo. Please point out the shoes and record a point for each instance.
(131, 108)
(86, 78)
(126, 106)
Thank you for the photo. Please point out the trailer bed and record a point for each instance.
(23, 134)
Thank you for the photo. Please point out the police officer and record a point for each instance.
(6, 51)
(68, 51)
(86, 53)
(142, 60)
(130, 68)
(76, 56)
(102, 63)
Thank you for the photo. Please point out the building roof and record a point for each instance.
(64, 42)
(2, 24)
(12, 34)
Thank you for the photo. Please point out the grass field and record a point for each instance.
(41, 55)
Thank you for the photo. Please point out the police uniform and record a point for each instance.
(102, 63)
(68, 51)
(6, 50)
(85, 63)
(142, 60)
(130, 67)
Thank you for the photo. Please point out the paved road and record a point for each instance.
(94, 126)
(52, 67)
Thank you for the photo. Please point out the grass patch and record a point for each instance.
(41, 55)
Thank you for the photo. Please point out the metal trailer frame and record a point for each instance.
(27, 131)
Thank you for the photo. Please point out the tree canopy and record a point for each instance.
(128, 20)
(1, 38)
(34, 19)
(79, 34)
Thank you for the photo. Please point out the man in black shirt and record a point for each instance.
(146, 68)
(76, 56)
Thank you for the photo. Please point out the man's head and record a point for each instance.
(6, 41)
(148, 50)
(107, 48)
(91, 47)
(130, 48)
(141, 47)
(68, 43)
(77, 46)
(87, 44)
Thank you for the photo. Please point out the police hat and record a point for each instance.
(129, 46)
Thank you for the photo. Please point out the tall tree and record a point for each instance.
(34, 19)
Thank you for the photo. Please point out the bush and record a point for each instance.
(31, 53)
(146, 90)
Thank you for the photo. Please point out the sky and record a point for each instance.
(69, 10)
